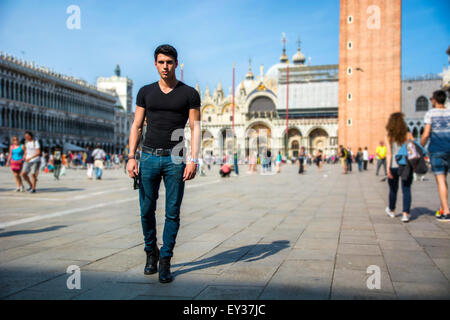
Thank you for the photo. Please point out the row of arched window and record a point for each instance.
(24, 93)
(27, 120)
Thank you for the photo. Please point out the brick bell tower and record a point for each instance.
(369, 70)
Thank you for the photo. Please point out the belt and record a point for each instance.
(157, 152)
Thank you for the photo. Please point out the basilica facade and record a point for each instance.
(292, 105)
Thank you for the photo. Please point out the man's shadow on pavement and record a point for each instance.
(250, 253)
(20, 232)
(419, 211)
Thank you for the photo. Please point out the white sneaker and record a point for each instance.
(390, 213)
(405, 218)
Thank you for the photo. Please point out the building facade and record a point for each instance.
(122, 88)
(261, 120)
(369, 70)
(416, 102)
(55, 107)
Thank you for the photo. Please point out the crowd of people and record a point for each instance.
(26, 159)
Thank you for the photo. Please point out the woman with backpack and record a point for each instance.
(397, 136)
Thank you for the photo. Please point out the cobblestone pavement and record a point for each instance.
(255, 236)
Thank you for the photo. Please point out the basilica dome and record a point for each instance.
(298, 57)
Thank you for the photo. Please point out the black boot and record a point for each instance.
(164, 270)
(151, 266)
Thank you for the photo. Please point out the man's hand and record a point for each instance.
(27, 159)
(132, 168)
(189, 171)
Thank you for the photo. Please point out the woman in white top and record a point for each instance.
(397, 135)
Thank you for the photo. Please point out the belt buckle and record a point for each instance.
(159, 152)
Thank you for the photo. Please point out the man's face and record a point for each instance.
(166, 66)
(433, 102)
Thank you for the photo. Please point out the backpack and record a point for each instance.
(416, 157)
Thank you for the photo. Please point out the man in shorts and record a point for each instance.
(437, 129)
(32, 161)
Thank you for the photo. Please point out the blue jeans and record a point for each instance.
(393, 189)
(98, 172)
(360, 164)
(152, 169)
(236, 168)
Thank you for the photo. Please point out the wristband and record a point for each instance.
(193, 160)
(131, 156)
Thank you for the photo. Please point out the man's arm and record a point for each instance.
(425, 135)
(37, 154)
(139, 115)
(194, 124)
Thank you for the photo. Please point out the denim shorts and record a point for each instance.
(440, 162)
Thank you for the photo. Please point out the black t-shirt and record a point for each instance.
(166, 113)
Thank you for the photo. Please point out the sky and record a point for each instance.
(210, 36)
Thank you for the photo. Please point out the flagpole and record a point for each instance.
(287, 109)
(234, 67)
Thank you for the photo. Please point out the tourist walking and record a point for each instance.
(349, 159)
(301, 160)
(32, 161)
(365, 158)
(2, 158)
(278, 162)
(89, 163)
(99, 157)
(57, 155)
(381, 157)
(15, 160)
(318, 159)
(397, 135)
(235, 163)
(343, 154)
(437, 130)
(359, 159)
(167, 104)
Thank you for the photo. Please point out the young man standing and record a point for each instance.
(437, 128)
(32, 161)
(167, 104)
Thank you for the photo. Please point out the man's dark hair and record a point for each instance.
(439, 96)
(167, 50)
(29, 133)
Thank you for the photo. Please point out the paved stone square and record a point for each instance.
(255, 236)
